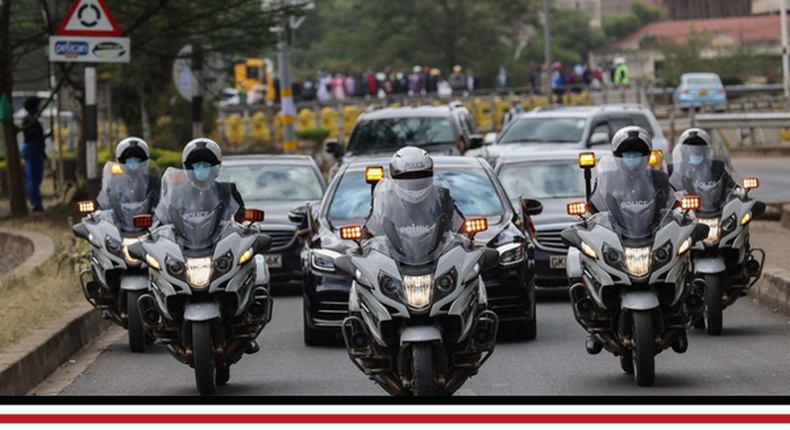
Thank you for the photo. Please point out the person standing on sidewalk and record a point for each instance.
(33, 152)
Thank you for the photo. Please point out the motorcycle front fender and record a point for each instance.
(201, 312)
(709, 266)
(424, 333)
(134, 283)
(640, 301)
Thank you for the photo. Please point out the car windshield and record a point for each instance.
(265, 182)
(473, 191)
(548, 180)
(703, 80)
(548, 130)
(394, 133)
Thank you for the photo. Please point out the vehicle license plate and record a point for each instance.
(557, 262)
(274, 261)
(703, 93)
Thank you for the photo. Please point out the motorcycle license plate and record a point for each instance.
(274, 261)
(557, 262)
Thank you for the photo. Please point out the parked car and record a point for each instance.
(441, 130)
(477, 193)
(277, 184)
(700, 89)
(553, 178)
(574, 127)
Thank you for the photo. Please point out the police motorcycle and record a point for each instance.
(209, 297)
(418, 321)
(629, 261)
(116, 280)
(725, 260)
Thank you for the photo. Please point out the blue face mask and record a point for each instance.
(632, 160)
(133, 164)
(202, 171)
(696, 160)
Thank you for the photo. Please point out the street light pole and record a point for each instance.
(286, 89)
(547, 46)
(785, 60)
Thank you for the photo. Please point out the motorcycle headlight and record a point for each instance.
(661, 255)
(225, 263)
(713, 232)
(728, 225)
(113, 245)
(446, 283)
(323, 259)
(684, 247)
(511, 253)
(589, 251)
(746, 218)
(174, 267)
(637, 261)
(418, 290)
(127, 242)
(199, 271)
(389, 285)
(245, 257)
(612, 256)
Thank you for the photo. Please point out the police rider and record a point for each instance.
(133, 154)
(698, 163)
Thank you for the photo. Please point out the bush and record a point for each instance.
(317, 135)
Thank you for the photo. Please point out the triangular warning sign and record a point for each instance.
(89, 18)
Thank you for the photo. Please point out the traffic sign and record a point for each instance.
(82, 49)
(89, 18)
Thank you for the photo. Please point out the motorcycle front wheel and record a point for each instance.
(644, 349)
(423, 378)
(134, 322)
(203, 357)
(713, 308)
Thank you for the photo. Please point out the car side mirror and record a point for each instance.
(700, 232)
(531, 207)
(475, 141)
(136, 251)
(490, 259)
(297, 214)
(344, 266)
(599, 138)
(262, 243)
(333, 147)
(490, 138)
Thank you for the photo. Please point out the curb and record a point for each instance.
(784, 221)
(773, 290)
(38, 247)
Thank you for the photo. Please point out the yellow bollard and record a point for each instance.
(278, 127)
(259, 127)
(500, 107)
(483, 120)
(305, 119)
(330, 120)
(350, 115)
(234, 130)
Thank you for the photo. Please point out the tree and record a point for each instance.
(622, 25)
(570, 45)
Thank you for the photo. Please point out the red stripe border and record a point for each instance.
(393, 419)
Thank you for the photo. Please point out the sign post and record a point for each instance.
(198, 74)
(89, 34)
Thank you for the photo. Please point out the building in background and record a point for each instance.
(591, 8)
(707, 9)
(614, 7)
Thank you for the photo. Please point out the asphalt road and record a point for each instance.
(748, 358)
(774, 175)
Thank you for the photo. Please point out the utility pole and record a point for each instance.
(785, 60)
(286, 89)
(547, 46)
(91, 135)
(197, 95)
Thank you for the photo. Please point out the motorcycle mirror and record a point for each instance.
(80, 231)
(297, 214)
(136, 250)
(253, 215)
(490, 259)
(531, 207)
(700, 232)
(262, 243)
(344, 266)
(86, 207)
(143, 221)
(570, 237)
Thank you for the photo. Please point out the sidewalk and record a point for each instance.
(775, 241)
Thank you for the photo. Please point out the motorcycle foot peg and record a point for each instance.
(681, 343)
(360, 340)
(594, 344)
(253, 347)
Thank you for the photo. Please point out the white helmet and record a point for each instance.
(131, 147)
(694, 136)
(631, 139)
(411, 170)
(201, 150)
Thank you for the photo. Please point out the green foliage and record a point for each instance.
(622, 25)
(317, 135)
(572, 38)
(646, 13)
(76, 257)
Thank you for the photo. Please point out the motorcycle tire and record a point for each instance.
(134, 323)
(713, 313)
(423, 378)
(644, 349)
(203, 357)
(223, 374)
(627, 363)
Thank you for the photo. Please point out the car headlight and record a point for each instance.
(511, 253)
(113, 245)
(587, 250)
(152, 263)
(418, 290)
(684, 247)
(713, 232)
(746, 218)
(324, 259)
(199, 271)
(637, 261)
(245, 257)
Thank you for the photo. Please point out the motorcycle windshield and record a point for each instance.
(128, 192)
(632, 198)
(198, 209)
(416, 216)
(703, 171)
